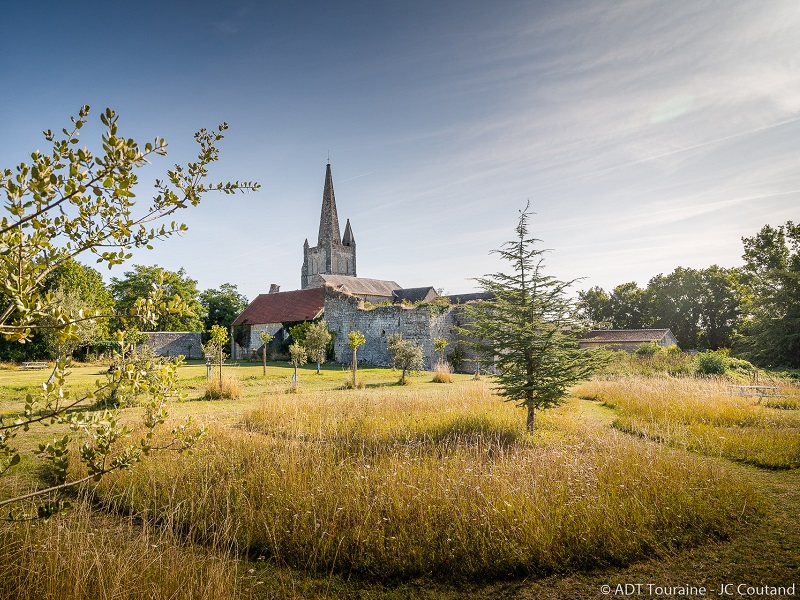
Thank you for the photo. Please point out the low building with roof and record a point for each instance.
(369, 290)
(627, 339)
(415, 295)
(272, 313)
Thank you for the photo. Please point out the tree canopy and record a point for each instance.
(142, 279)
(772, 269)
(221, 306)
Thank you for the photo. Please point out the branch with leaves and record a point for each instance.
(66, 202)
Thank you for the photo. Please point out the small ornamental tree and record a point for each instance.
(406, 355)
(66, 202)
(266, 338)
(317, 339)
(526, 330)
(217, 341)
(355, 340)
(298, 355)
(439, 344)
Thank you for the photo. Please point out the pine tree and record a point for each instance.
(527, 331)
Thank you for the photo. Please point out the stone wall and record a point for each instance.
(344, 314)
(175, 343)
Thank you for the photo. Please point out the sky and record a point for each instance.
(647, 135)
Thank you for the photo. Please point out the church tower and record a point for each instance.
(333, 254)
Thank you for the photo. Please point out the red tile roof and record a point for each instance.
(283, 307)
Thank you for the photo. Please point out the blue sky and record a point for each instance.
(647, 135)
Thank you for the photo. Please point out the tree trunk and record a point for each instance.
(355, 368)
(317, 367)
(530, 424)
(265, 359)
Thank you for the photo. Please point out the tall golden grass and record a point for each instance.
(700, 416)
(390, 483)
(84, 554)
(229, 388)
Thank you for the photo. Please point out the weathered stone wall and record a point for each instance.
(420, 325)
(175, 343)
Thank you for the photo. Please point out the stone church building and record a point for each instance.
(330, 289)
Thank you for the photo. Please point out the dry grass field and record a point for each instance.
(427, 490)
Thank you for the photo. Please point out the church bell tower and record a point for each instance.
(333, 254)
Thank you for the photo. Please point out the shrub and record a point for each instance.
(711, 363)
(647, 349)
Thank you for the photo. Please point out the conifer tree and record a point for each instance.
(527, 331)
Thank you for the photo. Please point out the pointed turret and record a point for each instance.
(348, 239)
(329, 233)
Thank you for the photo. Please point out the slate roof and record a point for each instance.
(283, 307)
(419, 294)
(462, 298)
(361, 286)
(603, 336)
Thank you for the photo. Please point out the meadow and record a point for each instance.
(423, 490)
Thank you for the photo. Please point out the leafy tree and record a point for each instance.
(405, 354)
(772, 268)
(355, 340)
(85, 333)
(299, 331)
(221, 306)
(298, 356)
(594, 308)
(724, 302)
(439, 344)
(674, 303)
(217, 342)
(138, 283)
(316, 341)
(629, 307)
(66, 202)
(266, 338)
(526, 330)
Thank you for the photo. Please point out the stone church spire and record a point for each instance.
(329, 221)
(333, 254)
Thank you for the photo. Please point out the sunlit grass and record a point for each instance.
(84, 554)
(397, 482)
(700, 416)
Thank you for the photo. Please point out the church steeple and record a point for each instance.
(333, 254)
(329, 221)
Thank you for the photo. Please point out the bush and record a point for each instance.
(647, 349)
(711, 363)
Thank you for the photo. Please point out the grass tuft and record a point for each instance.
(443, 373)
(230, 388)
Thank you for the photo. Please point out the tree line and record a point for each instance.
(77, 287)
(754, 309)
